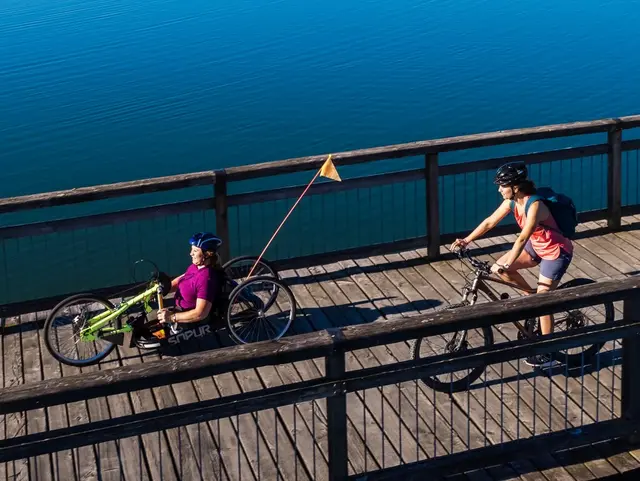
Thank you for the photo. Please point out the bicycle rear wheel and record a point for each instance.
(255, 314)
(576, 319)
(67, 319)
(449, 343)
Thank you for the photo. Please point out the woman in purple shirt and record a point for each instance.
(196, 290)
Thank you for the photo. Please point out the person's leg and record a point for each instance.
(524, 261)
(545, 285)
(546, 323)
(551, 272)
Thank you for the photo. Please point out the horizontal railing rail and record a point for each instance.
(332, 345)
(301, 164)
(105, 191)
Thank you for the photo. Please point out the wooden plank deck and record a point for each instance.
(387, 426)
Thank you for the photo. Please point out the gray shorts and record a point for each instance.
(551, 269)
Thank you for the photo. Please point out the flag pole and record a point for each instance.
(285, 219)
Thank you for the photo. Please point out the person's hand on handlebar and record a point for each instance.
(499, 268)
(458, 244)
(166, 315)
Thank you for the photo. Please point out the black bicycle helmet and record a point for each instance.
(511, 174)
(205, 241)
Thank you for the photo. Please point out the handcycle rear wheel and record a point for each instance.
(255, 313)
(238, 268)
(459, 342)
(61, 330)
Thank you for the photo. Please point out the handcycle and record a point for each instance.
(250, 308)
(460, 341)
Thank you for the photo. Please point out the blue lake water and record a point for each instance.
(107, 90)
(99, 91)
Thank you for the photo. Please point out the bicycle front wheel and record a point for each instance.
(255, 314)
(66, 320)
(449, 343)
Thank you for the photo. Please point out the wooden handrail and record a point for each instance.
(105, 191)
(447, 144)
(245, 172)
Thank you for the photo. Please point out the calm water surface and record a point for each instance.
(100, 91)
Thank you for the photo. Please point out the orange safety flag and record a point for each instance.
(329, 170)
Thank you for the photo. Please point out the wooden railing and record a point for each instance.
(431, 174)
(332, 345)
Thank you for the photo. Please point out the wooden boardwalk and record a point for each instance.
(389, 426)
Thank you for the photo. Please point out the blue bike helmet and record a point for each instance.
(206, 241)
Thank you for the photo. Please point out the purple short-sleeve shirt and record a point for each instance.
(196, 284)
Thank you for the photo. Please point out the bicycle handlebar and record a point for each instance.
(463, 253)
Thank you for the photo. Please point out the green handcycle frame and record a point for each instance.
(97, 323)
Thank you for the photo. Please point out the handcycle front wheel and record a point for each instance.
(62, 327)
(449, 343)
(255, 313)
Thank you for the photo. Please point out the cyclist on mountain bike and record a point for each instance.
(539, 243)
(196, 291)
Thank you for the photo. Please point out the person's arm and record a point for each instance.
(486, 225)
(174, 283)
(198, 313)
(537, 213)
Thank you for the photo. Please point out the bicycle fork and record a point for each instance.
(471, 291)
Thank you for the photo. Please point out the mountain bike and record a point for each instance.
(479, 280)
(84, 328)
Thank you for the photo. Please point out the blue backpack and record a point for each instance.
(561, 207)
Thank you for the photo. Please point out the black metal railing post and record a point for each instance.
(631, 367)
(433, 207)
(222, 219)
(614, 179)
(337, 419)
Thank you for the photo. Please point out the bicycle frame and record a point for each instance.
(96, 323)
(480, 283)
